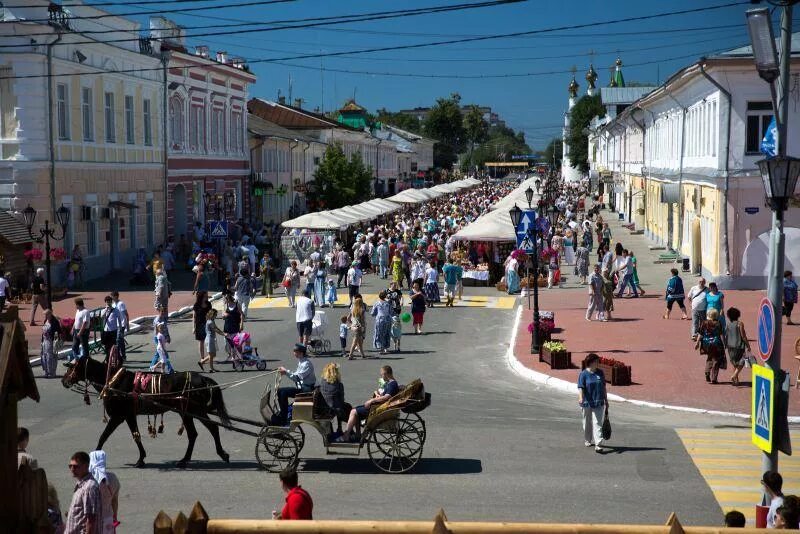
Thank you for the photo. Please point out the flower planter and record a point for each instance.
(561, 359)
(617, 375)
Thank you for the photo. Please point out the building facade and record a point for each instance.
(81, 126)
(694, 185)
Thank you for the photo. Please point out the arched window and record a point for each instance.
(176, 122)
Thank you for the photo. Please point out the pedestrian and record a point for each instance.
(304, 316)
(124, 322)
(291, 282)
(636, 283)
(54, 515)
(211, 329)
(387, 389)
(5, 289)
(626, 275)
(596, 305)
(512, 275)
(772, 482)
(233, 321)
(432, 284)
(39, 298)
(298, 502)
(418, 269)
(162, 320)
(354, 278)
(554, 270)
(200, 311)
(23, 456)
(697, 296)
(582, 262)
(266, 267)
(397, 268)
(736, 342)
(789, 295)
(343, 334)
(332, 391)
(111, 321)
(608, 295)
(417, 308)
(330, 294)
(715, 299)
(80, 332)
(243, 291)
(735, 519)
(51, 327)
(451, 274)
(383, 258)
(710, 343)
(109, 492)
(342, 264)
(593, 400)
(674, 294)
(304, 380)
(787, 516)
(163, 290)
(85, 511)
(397, 332)
(162, 364)
(606, 236)
(358, 325)
(382, 311)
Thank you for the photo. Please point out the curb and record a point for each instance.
(136, 325)
(569, 387)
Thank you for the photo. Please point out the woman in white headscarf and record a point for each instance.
(109, 491)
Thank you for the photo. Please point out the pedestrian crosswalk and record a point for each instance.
(731, 466)
(499, 302)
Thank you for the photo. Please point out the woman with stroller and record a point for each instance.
(200, 312)
(233, 321)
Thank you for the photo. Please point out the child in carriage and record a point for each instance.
(241, 346)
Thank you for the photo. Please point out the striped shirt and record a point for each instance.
(85, 503)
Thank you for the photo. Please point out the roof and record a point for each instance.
(12, 230)
(351, 106)
(623, 95)
(414, 138)
(747, 50)
(261, 127)
(289, 116)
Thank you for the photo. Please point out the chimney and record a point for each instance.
(237, 62)
(222, 57)
(298, 102)
(201, 51)
(282, 100)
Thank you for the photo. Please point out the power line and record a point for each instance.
(310, 22)
(118, 3)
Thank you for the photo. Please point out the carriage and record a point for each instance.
(394, 433)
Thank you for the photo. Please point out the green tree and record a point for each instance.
(341, 182)
(475, 129)
(400, 120)
(553, 152)
(446, 124)
(587, 108)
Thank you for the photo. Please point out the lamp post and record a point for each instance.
(532, 235)
(45, 235)
(223, 205)
(779, 173)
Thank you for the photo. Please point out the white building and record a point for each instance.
(568, 171)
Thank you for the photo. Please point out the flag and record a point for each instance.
(769, 144)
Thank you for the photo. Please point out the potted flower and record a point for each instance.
(546, 327)
(554, 353)
(33, 255)
(58, 254)
(617, 372)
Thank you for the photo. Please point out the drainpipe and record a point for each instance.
(50, 127)
(680, 166)
(644, 148)
(377, 162)
(725, 245)
(164, 141)
(263, 140)
(292, 146)
(305, 160)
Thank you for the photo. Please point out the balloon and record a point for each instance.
(406, 317)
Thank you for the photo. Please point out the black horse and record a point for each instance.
(187, 393)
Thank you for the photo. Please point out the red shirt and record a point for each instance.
(298, 504)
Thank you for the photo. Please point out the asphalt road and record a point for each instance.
(499, 447)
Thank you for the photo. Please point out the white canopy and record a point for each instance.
(414, 196)
(446, 188)
(316, 221)
(348, 215)
(383, 204)
(493, 226)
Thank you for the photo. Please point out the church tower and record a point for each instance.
(568, 172)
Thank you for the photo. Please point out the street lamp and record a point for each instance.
(529, 195)
(759, 26)
(45, 235)
(779, 175)
(532, 234)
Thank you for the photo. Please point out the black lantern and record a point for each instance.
(62, 216)
(516, 216)
(529, 195)
(29, 215)
(230, 202)
(779, 175)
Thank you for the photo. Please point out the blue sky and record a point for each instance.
(534, 104)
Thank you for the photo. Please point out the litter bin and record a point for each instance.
(685, 267)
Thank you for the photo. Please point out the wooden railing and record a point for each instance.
(198, 522)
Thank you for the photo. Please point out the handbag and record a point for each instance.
(606, 430)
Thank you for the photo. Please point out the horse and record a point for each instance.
(188, 393)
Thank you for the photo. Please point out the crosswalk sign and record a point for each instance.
(525, 231)
(763, 407)
(219, 229)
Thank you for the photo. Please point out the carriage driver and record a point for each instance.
(304, 379)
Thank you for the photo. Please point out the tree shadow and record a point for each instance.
(364, 466)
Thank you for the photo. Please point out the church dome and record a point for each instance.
(573, 88)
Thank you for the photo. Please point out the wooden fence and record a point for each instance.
(198, 522)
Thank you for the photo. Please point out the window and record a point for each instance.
(176, 122)
(150, 223)
(130, 137)
(62, 100)
(236, 133)
(111, 135)
(146, 122)
(217, 130)
(91, 236)
(197, 134)
(133, 227)
(87, 112)
(759, 115)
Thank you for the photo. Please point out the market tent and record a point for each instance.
(517, 196)
(383, 205)
(413, 196)
(445, 188)
(347, 216)
(493, 226)
(316, 221)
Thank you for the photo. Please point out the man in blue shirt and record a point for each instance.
(592, 399)
(789, 295)
(304, 380)
(388, 390)
(452, 273)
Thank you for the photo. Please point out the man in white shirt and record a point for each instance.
(697, 296)
(80, 332)
(111, 325)
(4, 288)
(304, 314)
(354, 276)
(772, 482)
(124, 319)
(304, 379)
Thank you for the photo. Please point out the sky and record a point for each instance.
(530, 96)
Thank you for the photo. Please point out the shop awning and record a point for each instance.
(670, 193)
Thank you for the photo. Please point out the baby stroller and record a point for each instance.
(242, 353)
(317, 344)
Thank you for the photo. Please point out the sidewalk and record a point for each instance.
(666, 370)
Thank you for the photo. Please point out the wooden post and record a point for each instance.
(9, 483)
(439, 526)
(674, 524)
(198, 519)
(180, 525)
(162, 524)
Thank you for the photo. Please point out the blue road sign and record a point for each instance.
(766, 329)
(218, 229)
(525, 237)
(763, 407)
